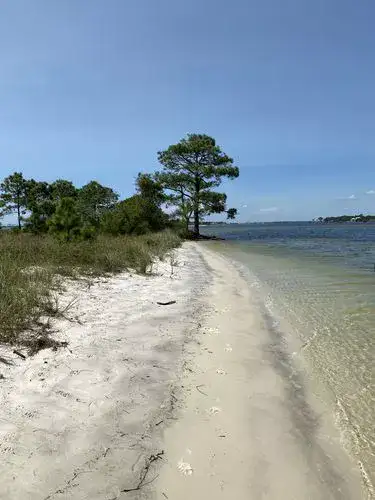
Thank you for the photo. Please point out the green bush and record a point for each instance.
(135, 215)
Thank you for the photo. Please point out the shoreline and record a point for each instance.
(198, 399)
(257, 431)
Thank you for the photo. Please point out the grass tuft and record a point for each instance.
(30, 266)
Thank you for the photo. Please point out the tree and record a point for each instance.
(13, 196)
(190, 171)
(94, 200)
(66, 221)
(62, 188)
(42, 200)
(150, 189)
(40, 205)
(140, 213)
(231, 213)
(133, 216)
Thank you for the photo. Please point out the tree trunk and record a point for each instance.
(185, 218)
(196, 207)
(19, 214)
(196, 222)
(187, 224)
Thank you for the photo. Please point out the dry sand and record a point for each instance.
(195, 400)
(78, 423)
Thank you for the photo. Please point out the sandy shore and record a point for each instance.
(248, 425)
(80, 422)
(195, 400)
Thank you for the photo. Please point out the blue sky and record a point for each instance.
(92, 89)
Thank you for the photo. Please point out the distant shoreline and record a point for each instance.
(370, 219)
(360, 218)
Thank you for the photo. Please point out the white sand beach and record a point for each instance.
(198, 399)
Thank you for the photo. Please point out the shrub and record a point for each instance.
(135, 215)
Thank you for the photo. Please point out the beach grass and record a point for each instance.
(31, 268)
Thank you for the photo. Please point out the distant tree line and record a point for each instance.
(347, 218)
(181, 192)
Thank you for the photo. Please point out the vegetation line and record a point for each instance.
(62, 230)
(32, 267)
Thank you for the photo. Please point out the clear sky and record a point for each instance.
(92, 89)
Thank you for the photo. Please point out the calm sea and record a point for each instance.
(319, 280)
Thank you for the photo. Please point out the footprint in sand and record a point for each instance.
(219, 371)
(214, 410)
(223, 310)
(228, 348)
(210, 331)
(185, 468)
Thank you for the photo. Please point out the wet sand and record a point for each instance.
(195, 400)
(248, 427)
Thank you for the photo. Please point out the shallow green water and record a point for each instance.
(327, 306)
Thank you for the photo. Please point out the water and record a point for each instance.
(319, 280)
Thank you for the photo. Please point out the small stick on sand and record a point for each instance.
(19, 354)
(166, 303)
(198, 389)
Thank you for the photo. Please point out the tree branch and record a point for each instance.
(184, 193)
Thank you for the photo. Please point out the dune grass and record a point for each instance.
(31, 267)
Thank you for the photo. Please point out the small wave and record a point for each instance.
(350, 440)
(309, 341)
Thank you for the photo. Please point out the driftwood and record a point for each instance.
(166, 303)
(142, 482)
(19, 354)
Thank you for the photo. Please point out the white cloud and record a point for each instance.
(351, 197)
(243, 206)
(269, 209)
(371, 191)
